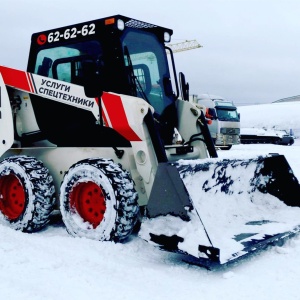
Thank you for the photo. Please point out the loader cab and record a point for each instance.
(130, 58)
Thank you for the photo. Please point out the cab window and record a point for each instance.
(65, 62)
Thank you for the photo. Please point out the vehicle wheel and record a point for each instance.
(26, 193)
(276, 141)
(98, 200)
(226, 147)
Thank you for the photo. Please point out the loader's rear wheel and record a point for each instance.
(12, 196)
(98, 200)
(26, 193)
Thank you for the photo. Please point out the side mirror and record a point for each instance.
(212, 114)
(184, 86)
(92, 79)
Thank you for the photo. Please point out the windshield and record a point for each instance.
(147, 58)
(227, 115)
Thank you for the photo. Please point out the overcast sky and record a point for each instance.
(251, 48)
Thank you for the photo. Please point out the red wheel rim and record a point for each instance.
(89, 201)
(12, 196)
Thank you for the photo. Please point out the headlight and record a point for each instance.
(120, 24)
(167, 37)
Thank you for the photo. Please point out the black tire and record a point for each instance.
(98, 200)
(26, 193)
(226, 147)
(276, 141)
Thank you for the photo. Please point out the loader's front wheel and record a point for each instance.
(98, 200)
(26, 193)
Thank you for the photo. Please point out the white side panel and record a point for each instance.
(188, 115)
(6, 120)
(26, 121)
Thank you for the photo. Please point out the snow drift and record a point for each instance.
(284, 116)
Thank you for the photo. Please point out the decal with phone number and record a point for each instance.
(69, 33)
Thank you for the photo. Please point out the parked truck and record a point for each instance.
(88, 132)
(225, 120)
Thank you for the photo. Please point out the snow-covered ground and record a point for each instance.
(53, 265)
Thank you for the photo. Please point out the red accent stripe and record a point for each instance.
(30, 80)
(16, 78)
(117, 116)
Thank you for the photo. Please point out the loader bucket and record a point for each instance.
(219, 210)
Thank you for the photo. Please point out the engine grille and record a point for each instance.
(230, 131)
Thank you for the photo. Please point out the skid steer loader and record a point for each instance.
(91, 130)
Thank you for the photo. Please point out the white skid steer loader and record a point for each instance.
(88, 130)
